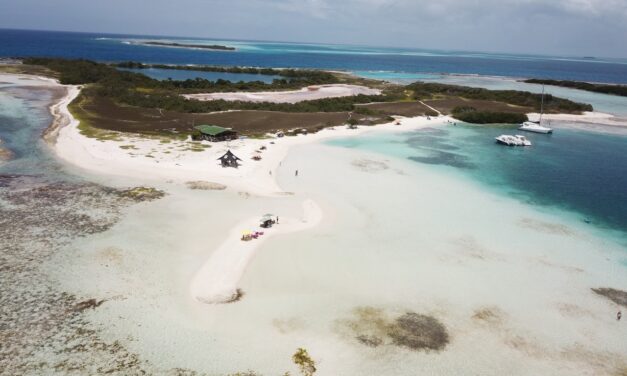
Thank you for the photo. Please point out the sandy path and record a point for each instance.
(217, 280)
(292, 96)
(429, 107)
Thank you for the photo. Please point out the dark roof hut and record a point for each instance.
(229, 160)
(214, 133)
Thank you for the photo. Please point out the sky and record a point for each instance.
(554, 27)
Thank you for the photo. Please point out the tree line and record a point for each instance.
(424, 90)
(136, 89)
(620, 90)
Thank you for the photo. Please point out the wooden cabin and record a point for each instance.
(214, 133)
(229, 160)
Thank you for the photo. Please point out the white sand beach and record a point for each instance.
(160, 160)
(155, 160)
(291, 96)
(363, 238)
(217, 280)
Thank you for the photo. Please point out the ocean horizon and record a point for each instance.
(125, 47)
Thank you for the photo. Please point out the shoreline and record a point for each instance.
(460, 267)
(596, 118)
(182, 161)
(154, 160)
(217, 280)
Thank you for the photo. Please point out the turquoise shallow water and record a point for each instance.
(581, 173)
(164, 74)
(24, 115)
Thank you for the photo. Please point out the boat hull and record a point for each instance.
(504, 143)
(543, 131)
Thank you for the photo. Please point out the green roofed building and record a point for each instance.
(214, 133)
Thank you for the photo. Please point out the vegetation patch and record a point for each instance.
(138, 103)
(620, 90)
(36, 70)
(471, 115)
(402, 108)
(141, 194)
(86, 119)
(617, 296)
(205, 185)
(423, 91)
(419, 332)
(492, 316)
(87, 304)
(5, 154)
(239, 294)
(304, 362)
(195, 46)
(373, 327)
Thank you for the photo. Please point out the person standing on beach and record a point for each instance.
(277, 219)
(296, 173)
(619, 315)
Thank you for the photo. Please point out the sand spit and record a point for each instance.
(598, 118)
(291, 96)
(61, 114)
(217, 279)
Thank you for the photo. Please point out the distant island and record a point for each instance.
(113, 100)
(183, 45)
(611, 89)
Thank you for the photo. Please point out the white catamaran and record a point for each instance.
(516, 140)
(532, 126)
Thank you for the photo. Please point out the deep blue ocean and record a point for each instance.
(115, 48)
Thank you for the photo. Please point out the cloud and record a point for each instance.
(577, 27)
(453, 8)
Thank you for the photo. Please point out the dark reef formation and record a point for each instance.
(43, 329)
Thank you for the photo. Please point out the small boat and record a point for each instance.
(509, 140)
(531, 126)
(536, 127)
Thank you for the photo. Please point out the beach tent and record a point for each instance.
(267, 220)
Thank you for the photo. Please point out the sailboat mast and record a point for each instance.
(541, 106)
